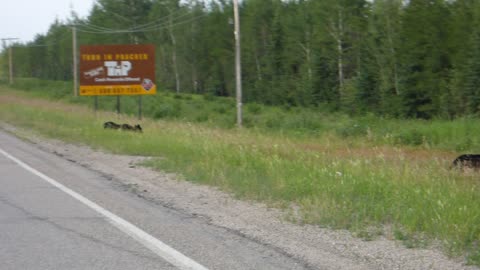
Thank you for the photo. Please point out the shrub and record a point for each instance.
(166, 110)
(352, 130)
(254, 108)
(410, 137)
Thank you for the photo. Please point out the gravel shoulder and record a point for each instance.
(316, 247)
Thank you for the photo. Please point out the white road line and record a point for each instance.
(158, 247)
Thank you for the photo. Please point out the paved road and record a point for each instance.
(55, 214)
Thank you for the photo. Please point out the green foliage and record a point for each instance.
(455, 135)
(354, 130)
(412, 59)
(164, 111)
(410, 137)
(424, 56)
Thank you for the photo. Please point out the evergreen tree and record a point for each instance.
(424, 57)
(472, 75)
(383, 44)
(463, 41)
(412, 58)
(366, 84)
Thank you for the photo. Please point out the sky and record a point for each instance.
(24, 19)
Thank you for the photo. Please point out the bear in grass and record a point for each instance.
(471, 161)
(136, 128)
(111, 125)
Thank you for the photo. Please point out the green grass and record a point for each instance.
(461, 135)
(363, 174)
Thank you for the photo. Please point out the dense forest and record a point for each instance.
(399, 58)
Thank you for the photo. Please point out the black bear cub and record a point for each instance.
(467, 161)
(113, 125)
(136, 128)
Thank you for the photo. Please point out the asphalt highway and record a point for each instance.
(55, 214)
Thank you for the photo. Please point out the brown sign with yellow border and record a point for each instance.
(112, 70)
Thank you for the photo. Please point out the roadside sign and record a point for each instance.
(114, 70)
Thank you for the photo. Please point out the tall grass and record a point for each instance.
(461, 135)
(364, 174)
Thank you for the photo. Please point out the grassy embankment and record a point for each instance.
(364, 174)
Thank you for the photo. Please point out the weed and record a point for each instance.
(166, 110)
(354, 130)
(203, 117)
(410, 137)
(221, 109)
(254, 108)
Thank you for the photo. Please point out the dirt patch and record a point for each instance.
(318, 248)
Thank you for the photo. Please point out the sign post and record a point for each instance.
(75, 61)
(139, 107)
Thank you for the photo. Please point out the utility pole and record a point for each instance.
(238, 65)
(10, 59)
(75, 61)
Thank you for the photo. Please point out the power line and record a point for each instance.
(52, 43)
(33, 46)
(95, 27)
(147, 26)
(164, 19)
(145, 29)
(139, 29)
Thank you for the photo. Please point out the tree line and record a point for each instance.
(399, 58)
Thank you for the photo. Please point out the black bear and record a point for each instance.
(136, 128)
(111, 125)
(467, 161)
